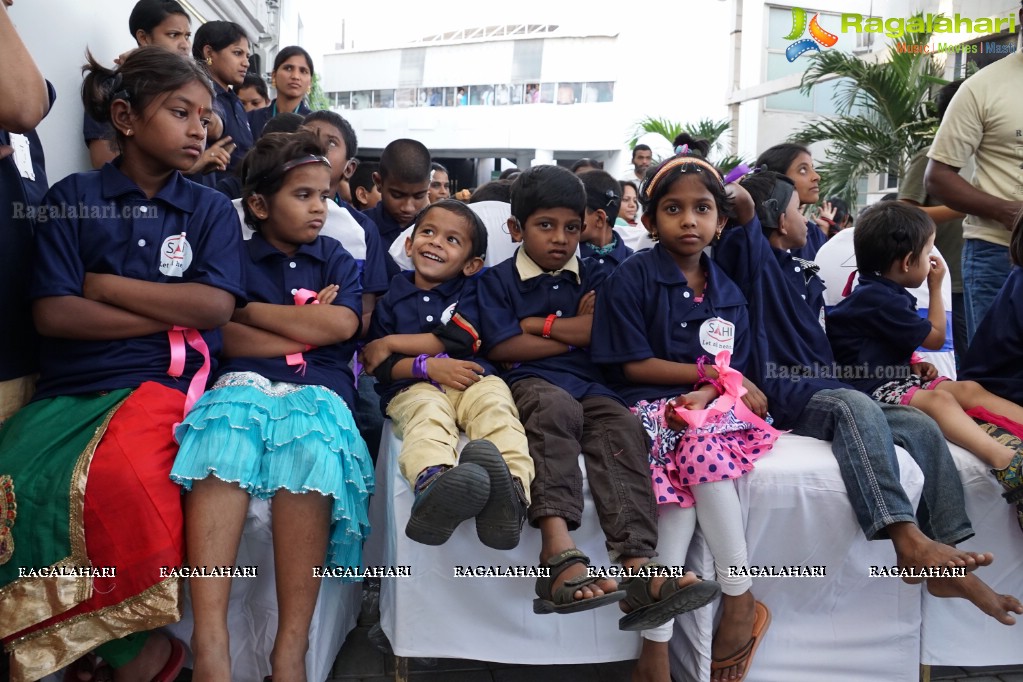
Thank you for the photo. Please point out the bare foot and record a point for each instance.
(998, 606)
(653, 665)
(287, 668)
(734, 631)
(913, 549)
(597, 589)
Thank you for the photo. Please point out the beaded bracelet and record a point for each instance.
(703, 378)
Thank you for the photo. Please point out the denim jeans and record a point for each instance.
(986, 266)
(863, 434)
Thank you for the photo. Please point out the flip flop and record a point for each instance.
(744, 655)
(672, 600)
(175, 662)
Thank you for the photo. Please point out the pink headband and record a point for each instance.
(680, 160)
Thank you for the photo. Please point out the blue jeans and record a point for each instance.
(986, 266)
(862, 434)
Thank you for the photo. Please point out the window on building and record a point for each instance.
(527, 59)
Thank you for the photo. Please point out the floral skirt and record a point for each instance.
(901, 391)
(722, 449)
(268, 436)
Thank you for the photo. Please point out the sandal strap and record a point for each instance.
(557, 565)
(637, 587)
(737, 657)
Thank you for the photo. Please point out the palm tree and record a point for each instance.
(883, 117)
(704, 129)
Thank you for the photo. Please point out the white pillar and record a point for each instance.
(542, 157)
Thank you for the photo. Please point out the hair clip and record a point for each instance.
(682, 149)
(736, 173)
(611, 197)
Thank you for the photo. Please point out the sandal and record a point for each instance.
(562, 599)
(447, 498)
(1011, 478)
(744, 656)
(646, 612)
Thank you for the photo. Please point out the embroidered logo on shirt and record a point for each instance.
(175, 256)
(717, 335)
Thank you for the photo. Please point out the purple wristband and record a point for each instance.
(419, 367)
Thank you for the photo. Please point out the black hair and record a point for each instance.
(405, 160)
(546, 187)
(254, 80)
(697, 147)
(148, 14)
(291, 51)
(343, 126)
(260, 170)
(944, 97)
(218, 35)
(887, 232)
(145, 73)
(779, 157)
(362, 177)
(711, 180)
(495, 190)
(477, 229)
(891, 196)
(763, 189)
(629, 183)
(284, 122)
(603, 192)
(587, 163)
(640, 148)
(508, 174)
(841, 209)
(434, 166)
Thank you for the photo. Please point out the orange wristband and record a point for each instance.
(547, 325)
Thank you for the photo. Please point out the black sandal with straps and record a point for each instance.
(672, 599)
(562, 599)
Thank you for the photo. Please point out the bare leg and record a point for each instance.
(970, 394)
(959, 427)
(998, 606)
(214, 517)
(914, 549)
(555, 539)
(301, 527)
(652, 665)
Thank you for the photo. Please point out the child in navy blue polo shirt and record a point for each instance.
(792, 363)
(136, 268)
(404, 181)
(599, 240)
(277, 422)
(537, 312)
(424, 332)
(995, 357)
(662, 313)
(877, 327)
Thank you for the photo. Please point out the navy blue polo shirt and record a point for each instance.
(607, 262)
(505, 299)
(790, 359)
(94, 130)
(20, 198)
(995, 357)
(647, 310)
(876, 328)
(259, 117)
(236, 125)
(407, 309)
(101, 222)
(273, 277)
(390, 229)
(375, 277)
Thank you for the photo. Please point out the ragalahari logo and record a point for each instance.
(817, 35)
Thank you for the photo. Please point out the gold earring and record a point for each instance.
(273, 82)
(209, 61)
